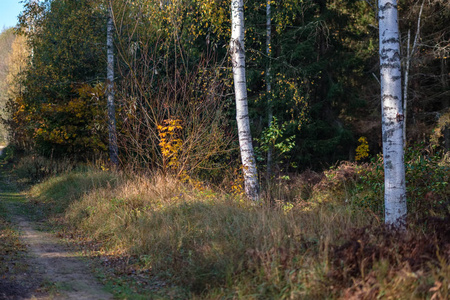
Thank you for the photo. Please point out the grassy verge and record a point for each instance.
(11, 249)
(157, 237)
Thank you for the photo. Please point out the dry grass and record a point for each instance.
(204, 244)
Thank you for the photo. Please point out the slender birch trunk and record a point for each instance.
(240, 87)
(113, 149)
(405, 88)
(269, 84)
(409, 55)
(392, 114)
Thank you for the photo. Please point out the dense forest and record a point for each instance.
(149, 97)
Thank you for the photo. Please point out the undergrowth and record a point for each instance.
(159, 237)
(318, 235)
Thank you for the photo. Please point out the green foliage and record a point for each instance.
(8, 154)
(62, 104)
(172, 62)
(370, 190)
(273, 136)
(427, 177)
(6, 40)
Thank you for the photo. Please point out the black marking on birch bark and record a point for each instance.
(400, 117)
(388, 5)
(387, 135)
(391, 97)
(245, 137)
(389, 165)
(390, 65)
(391, 40)
(236, 46)
(389, 108)
(388, 124)
(395, 78)
(237, 65)
(385, 57)
(392, 57)
(384, 51)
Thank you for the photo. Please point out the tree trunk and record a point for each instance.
(269, 86)
(113, 149)
(405, 89)
(240, 87)
(392, 114)
(409, 55)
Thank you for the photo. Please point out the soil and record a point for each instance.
(41, 267)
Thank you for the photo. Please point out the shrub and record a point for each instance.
(427, 177)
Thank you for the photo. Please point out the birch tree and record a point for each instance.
(240, 87)
(113, 149)
(392, 113)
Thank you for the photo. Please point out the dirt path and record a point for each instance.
(59, 265)
(50, 270)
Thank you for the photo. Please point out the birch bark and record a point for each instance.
(392, 114)
(113, 149)
(240, 88)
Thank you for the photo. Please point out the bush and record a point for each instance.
(362, 185)
(427, 177)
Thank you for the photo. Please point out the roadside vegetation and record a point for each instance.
(323, 236)
(137, 127)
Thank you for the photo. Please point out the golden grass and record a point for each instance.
(217, 246)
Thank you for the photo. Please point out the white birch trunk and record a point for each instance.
(113, 149)
(269, 84)
(392, 114)
(240, 87)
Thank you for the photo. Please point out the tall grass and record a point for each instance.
(213, 245)
(58, 192)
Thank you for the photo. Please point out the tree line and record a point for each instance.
(191, 87)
